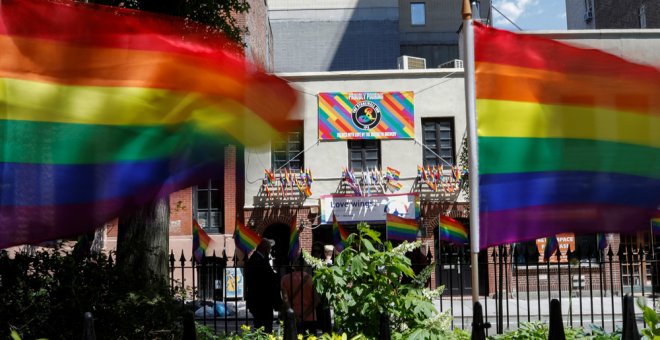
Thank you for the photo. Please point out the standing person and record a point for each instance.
(299, 294)
(262, 286)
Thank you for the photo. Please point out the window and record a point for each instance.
(363, 154)
(439, 137)
(418, 13)
(642, 16)
(285, 150)
(208, 201)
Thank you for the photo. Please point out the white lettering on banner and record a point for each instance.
(371, 208)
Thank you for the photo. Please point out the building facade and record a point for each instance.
(356, 35)
(612, 14)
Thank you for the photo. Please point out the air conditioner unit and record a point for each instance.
(405, 62)
(456, 63)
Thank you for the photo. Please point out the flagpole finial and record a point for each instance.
(467, 10)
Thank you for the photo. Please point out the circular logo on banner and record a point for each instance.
(366, 115)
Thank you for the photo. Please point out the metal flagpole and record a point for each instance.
(470, 106)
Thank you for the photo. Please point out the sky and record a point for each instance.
(530, 15)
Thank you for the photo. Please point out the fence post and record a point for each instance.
(630, 331)
(556, 323)
(290, 332)
(478, 326)
(88, 327)
(189, 332)
(384, 332)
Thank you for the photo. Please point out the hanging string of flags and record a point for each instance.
(288, 182)
(437, 179)
(379, 180)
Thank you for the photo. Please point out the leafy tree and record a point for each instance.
(365, 283)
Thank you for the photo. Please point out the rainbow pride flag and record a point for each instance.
(105, 109)
(201, 241)
(339, 235)
(551, 246)
(568, 139)
(400, 229)
(452, 231)
(294, 241)
(245, 238)
(655, 225)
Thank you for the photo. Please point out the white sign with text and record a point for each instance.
(354, 209)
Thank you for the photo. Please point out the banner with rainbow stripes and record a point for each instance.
(366, 115)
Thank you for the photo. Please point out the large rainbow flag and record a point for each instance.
(400, 229)
(452, 231)
(201, 241)
(104, 109)
(568, 139)
(245, 238)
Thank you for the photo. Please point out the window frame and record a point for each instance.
(360, 145)
(208, 190)
(426, 154)
(421, 5)
(297, 135)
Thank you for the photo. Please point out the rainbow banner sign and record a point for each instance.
(366, 115)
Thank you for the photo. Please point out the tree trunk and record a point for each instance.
(143, 244)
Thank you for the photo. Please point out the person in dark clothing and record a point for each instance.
(262, 287)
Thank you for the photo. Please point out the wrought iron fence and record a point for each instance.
(516, 285)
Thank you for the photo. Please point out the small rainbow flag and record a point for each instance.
(551, 246)
(601, 240)
(339, 235)
(294, 241)
(246, 239)
(452, 231)
(201, 241)
(400, 229)
(655, 225)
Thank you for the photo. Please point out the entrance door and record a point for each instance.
(453, 269)
(279, 232)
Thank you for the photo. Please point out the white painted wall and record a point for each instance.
(438, 93)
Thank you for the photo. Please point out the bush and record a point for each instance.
(365, 283)
(46, 294)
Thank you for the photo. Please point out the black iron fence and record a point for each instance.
(516, 285)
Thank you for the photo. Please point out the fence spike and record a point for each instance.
(224, 256)
(182, 259)
(384, 332)
(213, 256)
(505, 253)
(88, 327)
(290, 332)
(494, 253)
(429, 256)
(110, 260)
(558, 255)
(189, 332)
(630, 331)
(172, 259)
(621, 251)
(556, 325)
(569, 254)
(610, 253)
(478, 326)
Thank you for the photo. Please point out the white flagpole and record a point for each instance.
(470, 106)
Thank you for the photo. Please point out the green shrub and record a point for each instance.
(365, 283)
(45, 294)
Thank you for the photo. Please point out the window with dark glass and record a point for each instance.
(438, 135)
(284, 151)
(363, 154)
(208, 201)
